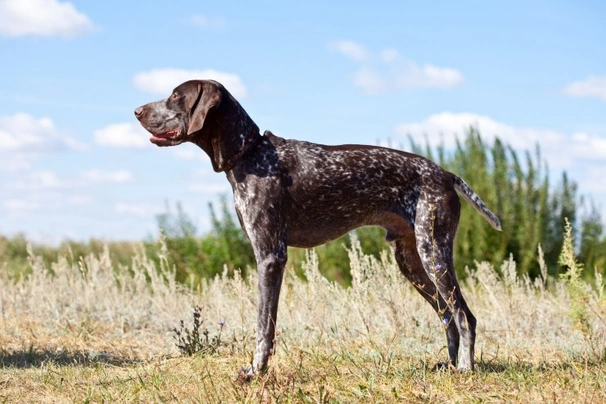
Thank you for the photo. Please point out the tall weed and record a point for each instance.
(585, 302)
(91, 305)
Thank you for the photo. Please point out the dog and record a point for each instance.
(296, 193)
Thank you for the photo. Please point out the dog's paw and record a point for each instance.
(246, 374)
(442, 366)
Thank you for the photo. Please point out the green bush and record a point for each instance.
(16, 251)
(198, 257)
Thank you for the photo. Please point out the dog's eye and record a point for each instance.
(174, 96)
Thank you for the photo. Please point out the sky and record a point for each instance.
(75, 163)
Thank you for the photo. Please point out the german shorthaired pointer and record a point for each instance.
(301, 194)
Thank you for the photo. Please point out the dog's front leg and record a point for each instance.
(270, 271)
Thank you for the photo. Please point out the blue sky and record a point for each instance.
(74, 162)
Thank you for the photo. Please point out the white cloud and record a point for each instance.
(427, 76)
(42, 18)
(592, 87)
(46, 201)
(389, 55)
(79, 200)
(46, 191)
(590, 146)
(96, 175)
(410, 76)
(207, 22)
(560, 150)
(41, 180)
(163, 81)
(350, 49)
(370, 82)
(392, 72)
(137, 209)
(24, 133)
(445, 127)
(16, 163)
(122, 136)
(18, 206)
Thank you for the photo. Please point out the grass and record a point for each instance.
(348, 374)
(87, 331)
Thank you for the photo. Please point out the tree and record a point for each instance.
(520, 193)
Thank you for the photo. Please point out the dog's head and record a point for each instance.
(202, 112)
(181, 116)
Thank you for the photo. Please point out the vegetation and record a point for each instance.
(197, 257)
(533, 211)
(16, 252)
(92, 331)
(196, 339)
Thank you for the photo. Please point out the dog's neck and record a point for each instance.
(226, 141)
(249, 143)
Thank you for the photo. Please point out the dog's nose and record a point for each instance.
(139, 112)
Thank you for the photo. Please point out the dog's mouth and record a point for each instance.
(168, 138)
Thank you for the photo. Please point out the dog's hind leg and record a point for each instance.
(410, 264)
(435, 229)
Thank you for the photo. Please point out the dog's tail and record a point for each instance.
(466, 192)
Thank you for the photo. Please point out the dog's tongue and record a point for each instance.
(165, 135)
(160, 141)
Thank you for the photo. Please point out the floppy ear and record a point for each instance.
(208, 97)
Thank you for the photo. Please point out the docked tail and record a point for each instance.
(466, 192)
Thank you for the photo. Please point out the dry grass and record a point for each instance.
(86, 331)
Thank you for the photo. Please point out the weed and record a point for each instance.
(197, 339)
(582, 297)
(376, 340)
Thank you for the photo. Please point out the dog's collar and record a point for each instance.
(233, 160)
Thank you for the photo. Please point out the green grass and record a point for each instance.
(88, 331)
(339, 374)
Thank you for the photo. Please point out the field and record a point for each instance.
(85, 330)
